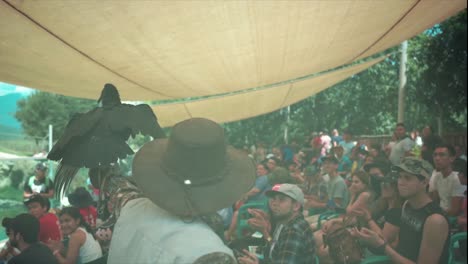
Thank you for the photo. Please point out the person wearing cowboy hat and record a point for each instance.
(182, 179)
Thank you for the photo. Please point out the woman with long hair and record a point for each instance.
(360, 192)
(81, 244)
(389, 210)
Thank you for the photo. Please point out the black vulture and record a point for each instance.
(99, 137)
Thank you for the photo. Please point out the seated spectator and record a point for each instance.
(389, 204)
(344, 165)
(424, 228)
(277, 154)
(287, 235)
(459, 166)
(8, 251)
(277, 173)
(93, 191)
(361, 195)
(377, 170)
(358, 156)
(38, 206)
(82, 247)
(24, 236)
(445, 186)
(295, 173)
(337, 190)
(315, 191)
(460, 152)
(82, 200)
(376, 151)
(256, 194)
(272, 163)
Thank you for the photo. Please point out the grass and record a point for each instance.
(21, 147)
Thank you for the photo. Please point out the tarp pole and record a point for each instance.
(401, 90)
(288, 111)
(51, 171)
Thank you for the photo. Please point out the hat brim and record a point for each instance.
(271, 193)
(401, 167)
(172, 196)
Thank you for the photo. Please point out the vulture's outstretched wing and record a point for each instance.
(78, 127)
(99, 138)
(134, 119)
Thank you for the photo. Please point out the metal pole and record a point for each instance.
(51, 171)
(401, 90)
(288, 111)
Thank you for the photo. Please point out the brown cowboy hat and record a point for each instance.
(193, 172)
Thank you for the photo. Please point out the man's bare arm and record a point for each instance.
(455, 206)
(435, 234)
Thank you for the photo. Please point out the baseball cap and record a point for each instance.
(415, 166)
(290, 190)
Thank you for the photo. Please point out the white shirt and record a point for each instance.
(146, 233)
(447, 188)
(399, 150)
(90, 250)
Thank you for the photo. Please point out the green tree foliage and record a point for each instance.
(367, 103)
(40, 109)
(444, 79)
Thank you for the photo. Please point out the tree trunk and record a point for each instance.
(401, 90)
(440, 115)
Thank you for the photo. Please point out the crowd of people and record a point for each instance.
(193, 199)
(395, 200)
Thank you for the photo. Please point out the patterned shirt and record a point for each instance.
(293, 243)
(117, 191)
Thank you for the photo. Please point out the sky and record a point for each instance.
(6, 88)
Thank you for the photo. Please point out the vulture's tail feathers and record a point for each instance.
(63, 178)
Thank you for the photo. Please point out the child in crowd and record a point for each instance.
(39, 206)
(82, 247)
(82, 200)
(315, 190)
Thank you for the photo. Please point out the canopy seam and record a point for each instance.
(387, 32)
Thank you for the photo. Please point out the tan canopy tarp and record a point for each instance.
(245, 105)
(154, 50)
